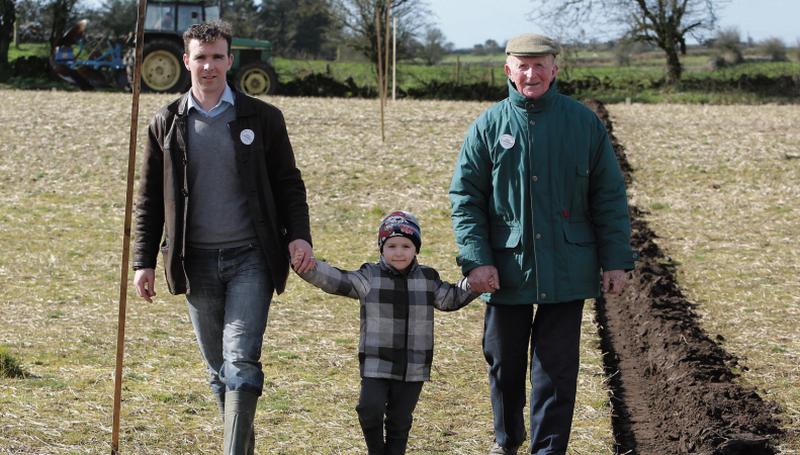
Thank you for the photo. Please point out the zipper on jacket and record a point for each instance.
(404, 280)
(529, 125)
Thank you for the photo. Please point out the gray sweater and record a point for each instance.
(218, 212)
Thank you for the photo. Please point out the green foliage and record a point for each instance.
(9, 365)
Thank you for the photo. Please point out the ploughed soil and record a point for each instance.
(672, 386)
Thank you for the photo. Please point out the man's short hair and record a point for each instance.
(207, 32)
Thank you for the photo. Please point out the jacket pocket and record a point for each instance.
(581, 234)
(580, 193)
(581, 250)
(505, 240)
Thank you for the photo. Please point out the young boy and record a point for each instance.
(395, 348)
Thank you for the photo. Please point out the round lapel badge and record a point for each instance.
(246, 136)
(507, 141)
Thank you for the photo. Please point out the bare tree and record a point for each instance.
(663, 23)
(358, 20)
(434, 46)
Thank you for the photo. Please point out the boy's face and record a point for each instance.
(399, 252)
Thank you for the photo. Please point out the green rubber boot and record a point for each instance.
(240, 412)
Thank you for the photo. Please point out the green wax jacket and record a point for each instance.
(538, 193)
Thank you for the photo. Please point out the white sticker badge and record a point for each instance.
(507, 141)
(247, 135)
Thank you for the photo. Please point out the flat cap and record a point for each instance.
(531, 44)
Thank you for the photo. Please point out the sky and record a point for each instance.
(468, 22)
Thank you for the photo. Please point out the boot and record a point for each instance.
(240, 412)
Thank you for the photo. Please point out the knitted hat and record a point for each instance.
(399, 224)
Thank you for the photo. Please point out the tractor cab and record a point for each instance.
(162, 62)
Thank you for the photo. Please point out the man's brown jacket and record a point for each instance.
(275, 191)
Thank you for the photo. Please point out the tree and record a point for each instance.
(775, 49)
(663, 23)
(240, 14)
(115, 18)
(7, 18)
(358, 20)
(728, 46)
(61, 14)
(434, 46)
(298, 27)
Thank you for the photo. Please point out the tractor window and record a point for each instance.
(189, 15)
(212, 13)
(159, 17)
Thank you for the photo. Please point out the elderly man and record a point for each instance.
(219, 181)
(539, 209)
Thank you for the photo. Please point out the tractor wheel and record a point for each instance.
(256, 78)
(162, 67)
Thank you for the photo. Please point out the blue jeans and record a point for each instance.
(554, 337)
(229, 295)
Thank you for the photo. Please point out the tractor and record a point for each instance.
(101, 62)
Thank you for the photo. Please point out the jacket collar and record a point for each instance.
(540, 104)
(245, 105)
(388, 268)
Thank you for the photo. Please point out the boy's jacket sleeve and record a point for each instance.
(336, 281)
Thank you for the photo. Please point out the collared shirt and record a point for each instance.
(225, 101)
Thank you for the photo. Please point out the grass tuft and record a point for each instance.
(9, 365)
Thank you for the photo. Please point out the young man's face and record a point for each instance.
(208, 64)
(532, 75)
(399, 252)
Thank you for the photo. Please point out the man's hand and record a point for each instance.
(302, 256)
(145, 282)
(614, 281)
(484, 279)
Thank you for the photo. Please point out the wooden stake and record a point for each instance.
(394, 59)
(126, 232)
(386, 52)
(380, 67)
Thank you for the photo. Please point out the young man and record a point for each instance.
(220, 184)
(539, 209)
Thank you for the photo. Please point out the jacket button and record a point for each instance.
(538, 236)
(543, 295)
(535, 178)
(533, 122)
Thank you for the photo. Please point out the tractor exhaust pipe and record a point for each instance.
(126, 236)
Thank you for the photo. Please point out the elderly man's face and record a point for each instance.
(532, 75)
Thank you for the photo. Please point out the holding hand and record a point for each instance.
(301, 255)
(484, 279)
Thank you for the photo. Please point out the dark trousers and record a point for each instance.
(389, 403)
(553, 333)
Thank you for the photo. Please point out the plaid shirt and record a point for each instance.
(396, 340)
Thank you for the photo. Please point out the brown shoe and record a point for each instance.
(497, 449)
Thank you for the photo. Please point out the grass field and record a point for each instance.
(720, 186)
(62, 179)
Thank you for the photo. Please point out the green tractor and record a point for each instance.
(162, 61)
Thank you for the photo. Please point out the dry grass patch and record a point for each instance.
(62, 181)
(720, 185)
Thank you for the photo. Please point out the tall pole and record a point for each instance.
(380, 66)
(386, 51)
(394, 59)
(126, 233)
